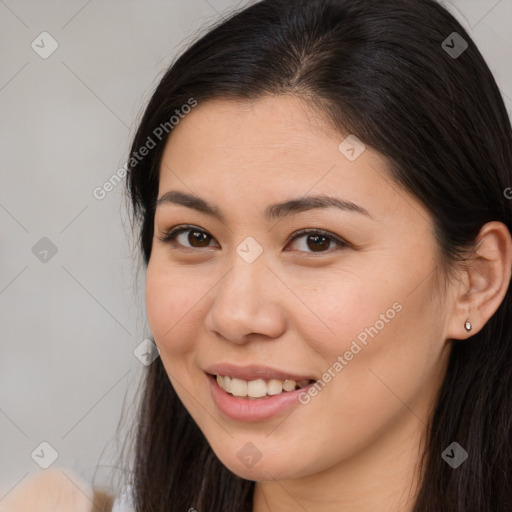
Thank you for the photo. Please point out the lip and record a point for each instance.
(253, 410)
(254, 372)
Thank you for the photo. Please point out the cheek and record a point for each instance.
(341, 314)
(169, 303)
(390, 360)
(385, 329)
(160, 308)
(380, 307)
(170, 314)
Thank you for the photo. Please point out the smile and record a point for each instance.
(272, 400)
(258, 388)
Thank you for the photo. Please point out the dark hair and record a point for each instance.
(378, 70)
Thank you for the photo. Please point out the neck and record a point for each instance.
(383, 476)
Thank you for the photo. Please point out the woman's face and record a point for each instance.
(236, 296)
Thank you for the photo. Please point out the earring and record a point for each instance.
(467, 325)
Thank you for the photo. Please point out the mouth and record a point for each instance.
(255, 393)
(258, 389)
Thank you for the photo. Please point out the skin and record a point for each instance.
(354, 446)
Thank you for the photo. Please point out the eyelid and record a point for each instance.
(340, 242)
(172, 233)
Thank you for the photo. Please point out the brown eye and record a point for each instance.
(195, 239)
(318, 241)
(200, 238)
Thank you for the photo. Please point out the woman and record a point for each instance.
(320, 187)
(389, 110)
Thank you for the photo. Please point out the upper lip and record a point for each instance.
(254, 372)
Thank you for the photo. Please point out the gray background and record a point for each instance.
(70, 321)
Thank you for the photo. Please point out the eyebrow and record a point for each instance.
(272, 212)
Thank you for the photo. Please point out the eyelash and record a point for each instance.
(170, 236)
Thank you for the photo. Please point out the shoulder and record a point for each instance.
(56, 490)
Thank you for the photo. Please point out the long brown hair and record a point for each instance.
(382, 71)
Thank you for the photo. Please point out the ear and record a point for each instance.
(484, 282)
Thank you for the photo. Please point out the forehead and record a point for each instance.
(277, 122)
(269, 150)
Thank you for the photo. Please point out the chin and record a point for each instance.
(282, 468)
(260, 472)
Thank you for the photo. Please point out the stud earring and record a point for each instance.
(467, 325)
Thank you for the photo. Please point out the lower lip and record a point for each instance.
(260, 409)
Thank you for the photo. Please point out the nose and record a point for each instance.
(247, 302)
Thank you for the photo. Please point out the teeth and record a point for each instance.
(227, 383)
(238, 387)
(224, 383)
(257, 388)
(274, 387)
(289, 385)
